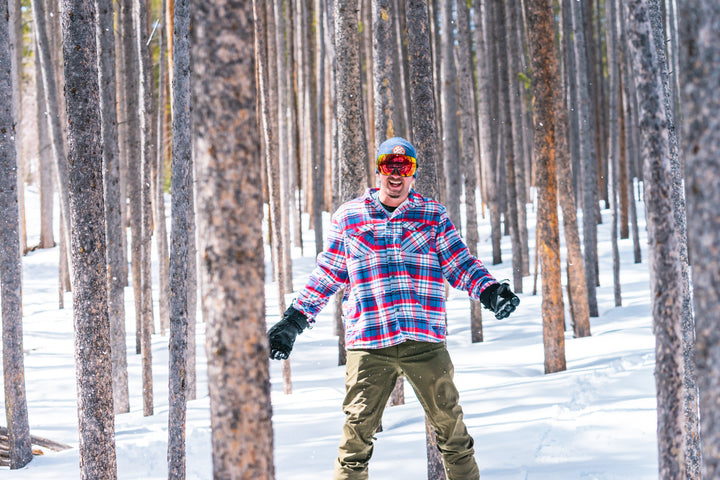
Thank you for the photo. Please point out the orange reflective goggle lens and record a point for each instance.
(393, 164)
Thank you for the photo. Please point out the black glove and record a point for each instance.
(282, 335)
(499, 299)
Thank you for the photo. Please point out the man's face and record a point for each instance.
(394, 189)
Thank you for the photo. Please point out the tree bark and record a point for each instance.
(181, 194)
(469, 157)
(53, 114)
(665, 271)
(587, 159)
(690, 391)
(448, 115)
(159, 203)
(87, 207)
(514, 55)
(425, 140)
(545, 72)
(511, 215)
(486, 72)
(384, 82)
(699, 67)
(575, 266)
(422, 98)
(230, 213)
(16, 413)
(145, 160)
(45, 163)
(113, 198)
(613, 151)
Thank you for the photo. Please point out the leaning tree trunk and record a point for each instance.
(113, 198)
(665, 271)
(545, 71)
(87, 208)
(16, 414)
(229, 219)
(700, 74)
(182, 191)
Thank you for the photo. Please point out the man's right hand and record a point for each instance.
(282, 335)
(500, 300)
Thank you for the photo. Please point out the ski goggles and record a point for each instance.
(394, 164)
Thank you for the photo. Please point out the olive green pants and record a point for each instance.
(370, 377)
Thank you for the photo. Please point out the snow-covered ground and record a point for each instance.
(596, 420)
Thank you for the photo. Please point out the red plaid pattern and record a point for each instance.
(393, 266)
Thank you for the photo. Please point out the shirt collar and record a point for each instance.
(371, 196)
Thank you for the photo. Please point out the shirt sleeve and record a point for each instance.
(327, 278)
(461, 269)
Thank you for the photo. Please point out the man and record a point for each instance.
(392, 248)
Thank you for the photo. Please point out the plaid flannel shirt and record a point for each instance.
(393, 267)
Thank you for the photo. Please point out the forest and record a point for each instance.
(175, 145)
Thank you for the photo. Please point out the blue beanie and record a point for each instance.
(396, 145)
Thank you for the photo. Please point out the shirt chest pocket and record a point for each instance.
(416, 238)
(360, 241)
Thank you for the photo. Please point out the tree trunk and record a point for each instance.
(45, 163)
(384, 83)
(665, 271)
(230, 215)
(422, 98)
(16, 413)
(16, 47)
(588, 161)
(486, 72)
(690, 392)
(159, 203)
(265, 55)
(424, 137)
(53, 113)
(515, 54)
(181, 194)
(469, 157)
(613, 151)
(113, 198)
(628, 119)
(545, 72)
(87, 207)
(699, 71)
(145, 160)
(511, 216)
(286, 194)
(575, 267)
(133, 154)
(352, 145)
(448, 115)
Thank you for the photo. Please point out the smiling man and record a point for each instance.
(393, 248)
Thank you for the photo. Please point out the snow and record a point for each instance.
(596, 420)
